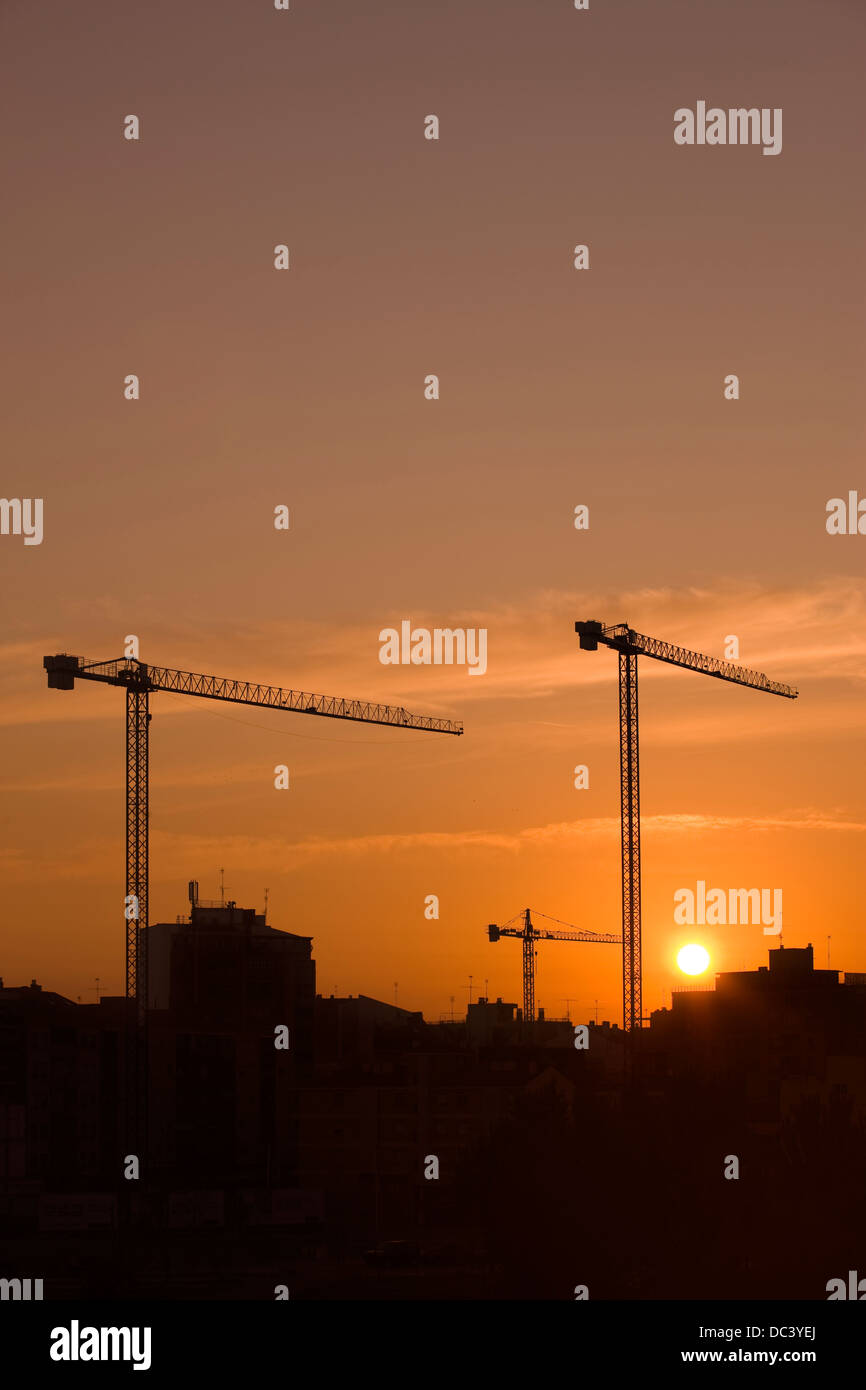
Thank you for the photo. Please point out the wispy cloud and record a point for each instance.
(175, 851)
(797, 635)
(255, 852)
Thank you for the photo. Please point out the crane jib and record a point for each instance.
(627, 642)
(63, 670)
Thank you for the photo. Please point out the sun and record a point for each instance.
(693, 960)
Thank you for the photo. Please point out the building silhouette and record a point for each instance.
(308, 1163)
(222, 1097)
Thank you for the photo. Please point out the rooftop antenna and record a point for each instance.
(267, 892)
(222, 888)
(470, 989)
(828, 952)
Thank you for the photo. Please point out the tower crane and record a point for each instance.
(529, 934)
(140, 680)
(630, 645)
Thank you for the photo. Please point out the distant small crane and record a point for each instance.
(529, 934)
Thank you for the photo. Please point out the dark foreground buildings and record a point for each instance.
(344, 1148)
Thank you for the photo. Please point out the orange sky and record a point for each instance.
(558, 387)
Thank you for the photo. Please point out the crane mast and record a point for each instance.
(630, 645)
